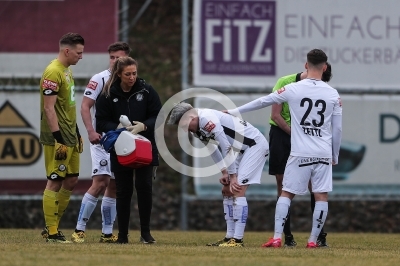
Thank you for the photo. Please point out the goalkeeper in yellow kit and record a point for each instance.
(59, 133)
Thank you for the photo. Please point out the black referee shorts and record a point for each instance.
(279, 150)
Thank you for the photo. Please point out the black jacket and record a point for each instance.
(143, 105)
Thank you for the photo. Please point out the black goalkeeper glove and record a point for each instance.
(60, 147)
(79, 145)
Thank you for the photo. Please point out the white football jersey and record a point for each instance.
(94, 88)
(227, 131)
(312, 103)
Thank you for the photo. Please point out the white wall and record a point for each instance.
(27, 65)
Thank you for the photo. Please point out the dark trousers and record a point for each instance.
(143, 185)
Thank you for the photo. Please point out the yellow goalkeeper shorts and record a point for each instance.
(59, 169)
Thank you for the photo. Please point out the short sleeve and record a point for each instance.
(94, 87)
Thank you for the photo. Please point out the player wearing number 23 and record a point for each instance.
(316, 132)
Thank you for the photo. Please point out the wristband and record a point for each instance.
(57, 136)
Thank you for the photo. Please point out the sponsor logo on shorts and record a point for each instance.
(115, 100)
(62, 167)
(92, 85)
(313, 160)
(95, 171)
(103, 162)
(88, 93)
(49, 84)
(209, 126)
(53, 176)
(244, 181)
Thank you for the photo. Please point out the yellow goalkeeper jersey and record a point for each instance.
(58, 80)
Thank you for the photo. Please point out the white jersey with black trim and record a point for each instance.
(94, 88)
(312, 104)
(227, 131)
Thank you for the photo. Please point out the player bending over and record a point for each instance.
(244, 151)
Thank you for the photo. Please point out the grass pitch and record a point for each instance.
(26, 247)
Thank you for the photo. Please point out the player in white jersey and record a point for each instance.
(102, 177)
(243, 154)
(316, 132)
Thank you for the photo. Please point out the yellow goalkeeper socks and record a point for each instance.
(63, 201)
(50, 210)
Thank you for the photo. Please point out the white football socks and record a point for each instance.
(87, 207)
(319, 218)
(228, 211)
(281, 212)
(108, 214)
(240, 213)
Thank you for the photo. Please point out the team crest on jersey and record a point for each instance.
(139, 97)
(61, 167)
(281, 90)
(49, 84)
(67, 77)
(92, 85)
(209, 126)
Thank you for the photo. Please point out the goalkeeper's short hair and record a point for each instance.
(177, 112)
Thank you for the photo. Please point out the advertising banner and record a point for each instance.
(239, 44)
(21, 156)
(369, 161)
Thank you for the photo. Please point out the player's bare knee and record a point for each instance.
(287, 194)
(96, 190)
(100, 182)
(241, 193)
(321, 196)
(110, 192)
(102, 186)
(226, 192)
(69, 183)
(53, 185)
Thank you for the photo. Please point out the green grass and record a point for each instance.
(26, 247)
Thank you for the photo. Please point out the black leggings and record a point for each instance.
(143, 186)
